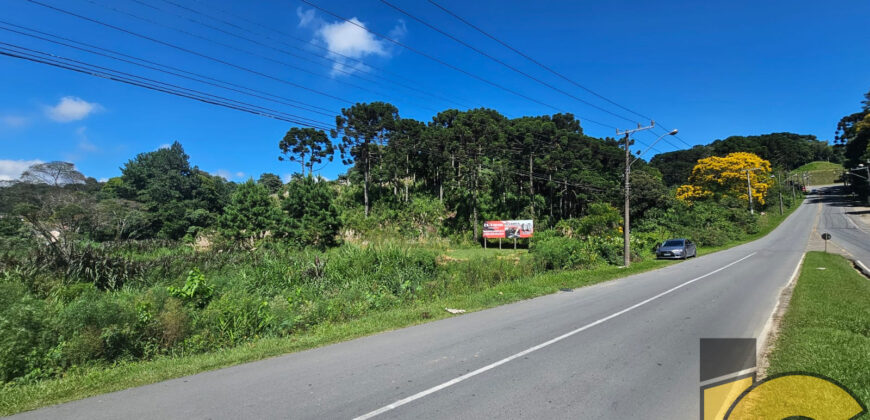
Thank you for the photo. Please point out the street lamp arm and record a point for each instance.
(670, 133)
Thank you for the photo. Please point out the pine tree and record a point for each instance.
(312, 218)
(251, 214)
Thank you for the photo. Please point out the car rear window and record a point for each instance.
(673, 242)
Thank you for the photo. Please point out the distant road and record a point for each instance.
(840, 216)
(623, 349)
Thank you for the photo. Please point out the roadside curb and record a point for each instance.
(769, 333)
(862, 268)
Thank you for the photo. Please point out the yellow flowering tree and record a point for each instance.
(715, 177)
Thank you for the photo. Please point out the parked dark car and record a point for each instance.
(678, 249)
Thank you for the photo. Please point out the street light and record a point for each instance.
(626, 230)
(670, 133)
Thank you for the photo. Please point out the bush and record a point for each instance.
(98, 326)
(196, 290)
(25, 337)
(559, 253)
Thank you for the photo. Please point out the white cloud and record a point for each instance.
(228, 175)
(287, 178)
(71, 108)
(164, 146)
(12, 169)
(104, 179)
(85, 144)
(348, 39)
(306, 17)
(14, 121)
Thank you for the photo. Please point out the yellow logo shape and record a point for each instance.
(801, 395)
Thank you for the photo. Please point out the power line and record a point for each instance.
(28, 54)
(242, 50)
(444, 63)
(218, 60)
(542, 65)
(332, 60)
(501, 62)
(174, 70)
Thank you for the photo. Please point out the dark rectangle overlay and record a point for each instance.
(723, 356)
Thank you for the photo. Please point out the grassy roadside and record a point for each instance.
(820, 173)
(827, 327)
(91, 381)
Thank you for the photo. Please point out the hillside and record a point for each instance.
(821, 172)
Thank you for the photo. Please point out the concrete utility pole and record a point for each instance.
(626, 229)
(779, 188)
(749, 188)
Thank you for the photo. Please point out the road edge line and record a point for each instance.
(766, 337)
(547, 343)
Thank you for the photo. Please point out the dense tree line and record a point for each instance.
(784, 151)
(853, 138)
(444, 176)
(479, 164)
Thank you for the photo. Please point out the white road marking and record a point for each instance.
(494, 365)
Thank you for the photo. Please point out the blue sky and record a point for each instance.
(712, 69)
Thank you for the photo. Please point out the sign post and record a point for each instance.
(826, 236)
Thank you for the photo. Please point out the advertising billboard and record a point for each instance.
(508, 229)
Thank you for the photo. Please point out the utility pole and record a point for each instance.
(626, 225)
(749, 188)
(780, 194)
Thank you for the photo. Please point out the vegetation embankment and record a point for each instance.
(826, 329)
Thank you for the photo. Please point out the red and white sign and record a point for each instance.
(493, 229)
(508, 229)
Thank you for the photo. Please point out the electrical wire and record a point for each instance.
(167, 44)
(173, 70)
(446, 64)
(543, 66)
(334, 61)
(15, 51)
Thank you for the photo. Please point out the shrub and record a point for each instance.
(558, 253)
(24, 332)
(196, 290)
(98, 326)
(233, 318)
(172, 323)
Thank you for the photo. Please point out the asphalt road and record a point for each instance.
(838, 217)
(627, 348)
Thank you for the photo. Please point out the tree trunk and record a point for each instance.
(366, 188)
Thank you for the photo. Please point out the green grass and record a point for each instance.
(95, 380)
(477, 252)
(819, 166)
(821, 173)
(827, 327)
